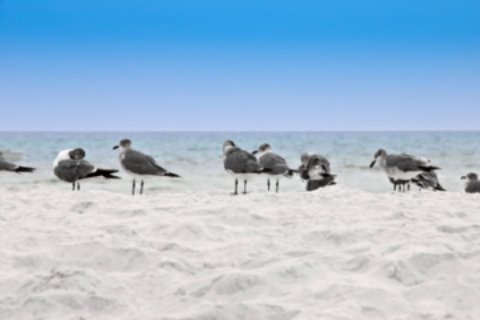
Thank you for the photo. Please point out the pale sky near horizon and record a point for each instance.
(247, 65)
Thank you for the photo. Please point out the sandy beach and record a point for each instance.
(338, 253)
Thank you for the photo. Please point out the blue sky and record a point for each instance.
(239, 65)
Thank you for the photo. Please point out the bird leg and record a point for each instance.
(133, 187)
(73, 186)
(244, 186)
(268, 184)
(236, 188)
(277, 185)
(141, 187)
(78, 186)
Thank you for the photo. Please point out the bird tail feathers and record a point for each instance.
(24, 169)
(171, 175)
(106, 173)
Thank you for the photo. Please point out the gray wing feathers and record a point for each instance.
(473, 187)
(240, 161)
(405, 162)
(73, 170)
(142, 164)
(273, 163)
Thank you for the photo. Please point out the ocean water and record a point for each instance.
(197, 156)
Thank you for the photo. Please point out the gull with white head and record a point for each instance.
(273, 165)
(139, 165)
(242, 165)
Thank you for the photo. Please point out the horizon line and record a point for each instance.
(245, 131)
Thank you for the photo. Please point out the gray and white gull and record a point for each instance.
(472, 184)
(70, 166)
(401, 167)
(139, 165)
(274, 166)
(315, 169)
(242, 165)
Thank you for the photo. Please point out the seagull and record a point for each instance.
(70, 166)
(139, 165)
(400, 167)
(9, 166)
(316, 170)
(240, 164)
(472, 185)
(274, 165)
(428, 180)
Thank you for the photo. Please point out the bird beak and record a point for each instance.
(463, 177)
(254, 152)
(373, 163)
(116, 147)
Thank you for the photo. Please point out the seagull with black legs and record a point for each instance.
(315, 169)
(12, 167)
(139, 165)
(70, 166)
(242, 165)
(400, 167)
(274, 165)
(473, 184)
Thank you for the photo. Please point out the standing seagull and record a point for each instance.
(273, 164)
(8, 166)
(71, 166)
(240, 164)
(316, 170)
(401, 166)
(472, 185)
(139, 165)
(428, 180)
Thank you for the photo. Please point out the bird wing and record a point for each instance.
(405, 162)
(240, 161)
(140, 163)
(473, 186)
(73, 170)
(273, 163)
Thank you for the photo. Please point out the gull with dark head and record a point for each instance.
(242, 165)
(273, 165)
(70, 166)
(315, 169)
(401, 167)
(472, 184)
(139, 165)
(12, 167)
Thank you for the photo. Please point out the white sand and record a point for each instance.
(334, 254)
